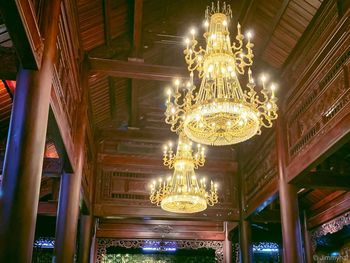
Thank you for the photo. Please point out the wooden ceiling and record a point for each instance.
(127, 113)
(152, 32)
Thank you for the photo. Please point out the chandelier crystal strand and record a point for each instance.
(220, 112)
(183, 192)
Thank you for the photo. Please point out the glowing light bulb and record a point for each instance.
(206, 23)
(168, 92)
(249, 35)
(177, 82)
(193, 31)
(187, 41)
(263, 77)
(224, 23)
(273, 87)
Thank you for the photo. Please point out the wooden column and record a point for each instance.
(85, 238)
(69, 198)
(246, 249)
(25, 150)
(245, 241)
(227, 245)
(291, 231)
(307, 241)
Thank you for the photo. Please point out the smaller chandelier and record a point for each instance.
(183, 192)
(221, 111)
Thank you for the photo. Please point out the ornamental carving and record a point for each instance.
(104, 243)
(262, 169)
(330, 227)
(163, 229)
(326, 95)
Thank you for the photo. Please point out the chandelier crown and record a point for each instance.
(217, 8)
(220, 111)
(183, 192)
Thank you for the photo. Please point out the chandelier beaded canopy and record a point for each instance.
(184, 191)
(220, 112)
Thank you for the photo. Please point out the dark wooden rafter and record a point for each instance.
(323, 180)
(273, 27)
(8, 65)
(137, 29)
(111, 91)
(47, 208)
(135, 135)
(136, 70)
(155, 163)
(134, 103)
(8, 89)
(107, 21)
(267, 215)
(21, 23)
(245, 11)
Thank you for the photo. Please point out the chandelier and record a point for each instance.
(183, 192)
(220, 112)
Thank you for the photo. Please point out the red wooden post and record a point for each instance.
(25, 150)
(291, 231)
(69, 197)
(85, 238)
(227, 245)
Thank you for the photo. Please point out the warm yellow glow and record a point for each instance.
(220, 111)
(183, 192)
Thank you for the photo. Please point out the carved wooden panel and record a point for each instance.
(123, 191)
(260, 170)
(315, 86)
(317, 108)
(321, 102)
(103, 244)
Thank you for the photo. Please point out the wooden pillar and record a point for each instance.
(25, 150)
(227, 245)
(291, 230)
(85, 237)
(245, 241)
(69, 197)
(307, 241)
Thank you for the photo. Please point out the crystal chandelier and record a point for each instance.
(220, 112)
(183, 192)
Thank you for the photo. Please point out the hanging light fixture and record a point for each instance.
(183, 192)
(220, 112)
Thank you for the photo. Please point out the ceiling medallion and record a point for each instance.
(220, 111)
(183, 191)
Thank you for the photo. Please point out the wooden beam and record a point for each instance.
(8, 63)
(323, 180)
(267, 215)
(136, 70)
(135, 135)
(137, 32)
(21, 23)
(273, 27)
(245, 11)
(329, 211)
(47, 208)
(134, 103)
(154, 163)
(118, 210)
(107, 21)
(111, 93)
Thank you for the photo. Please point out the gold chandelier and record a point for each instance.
(183, 192)
(220, 112)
